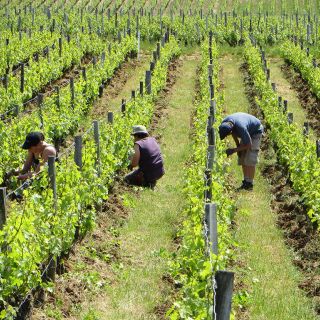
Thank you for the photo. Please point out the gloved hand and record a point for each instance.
(230, 151)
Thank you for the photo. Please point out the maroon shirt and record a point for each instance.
(150, 163)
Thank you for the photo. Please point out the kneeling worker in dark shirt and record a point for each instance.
(147, 156)
(249, 130)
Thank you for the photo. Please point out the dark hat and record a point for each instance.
(32, 139)
(138, 130)
(224, 129)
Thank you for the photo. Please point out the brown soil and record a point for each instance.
(118, 81)
(238, 263)
(307, 99)
(73, 72)
(100, 248)
(299, 232)
(92, 256)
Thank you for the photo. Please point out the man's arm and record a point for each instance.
(245, 138)
(136, 156)
(236, 140)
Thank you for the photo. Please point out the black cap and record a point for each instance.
(224, 129)
(32, 139)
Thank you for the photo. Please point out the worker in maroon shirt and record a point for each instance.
(147, 156)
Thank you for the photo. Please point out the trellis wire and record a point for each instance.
(30, 291)
(64, 84)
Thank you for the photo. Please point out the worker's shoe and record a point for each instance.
(246, 186)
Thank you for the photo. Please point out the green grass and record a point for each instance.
(287, 93)
(148, 235)
(268, 271)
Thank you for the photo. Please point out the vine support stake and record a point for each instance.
(318, 148)
(210, 70)
(72, 92)
(52, 177)
(40, 101)
(285, 106)
(97, 142)
(78, 151)
(22, 78)
(110, 117)
(148, 81)
(210, 157)
(290, 117)
(123, 106)
(211, 136)
(60, 47)
(212, 226)
(274, 87)
(141, 88)
(224, 282)
(57, 88)
(208, 184)
(3, 208)
(306, 128)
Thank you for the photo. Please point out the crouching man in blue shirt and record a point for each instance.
(246, 131)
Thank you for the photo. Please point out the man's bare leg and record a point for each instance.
(248, 173)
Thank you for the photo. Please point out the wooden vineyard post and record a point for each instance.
(212, 109)
(290, 117)
(279, 102)
(72, 92)
(110, 117)
(52, 177)
(306, 128)
(152, 66)
(78, 152)
(274, 88)
(52, 266)
(285, 106)
(60, 47)
(101, 87)
(97, 142)
(123, 106)
(210, 157)
(208, 184)
(211, 136)
(141, 88)
(148, 81)
(40, 101)
(22, 78)
(133, 94)
(139, 37)
(212, 226)
(3, 208)
(211, 91)
(318, 148)
(224, 282)
(57, 89)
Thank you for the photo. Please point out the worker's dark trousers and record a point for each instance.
(136, 178)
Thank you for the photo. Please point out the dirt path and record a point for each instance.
(266, 261)
(286, 91)
(153, 216)
(125, 80)
(116, 273)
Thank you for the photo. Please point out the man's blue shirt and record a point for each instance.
(245, 126)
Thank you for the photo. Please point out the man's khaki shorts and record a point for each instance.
(250, 157)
